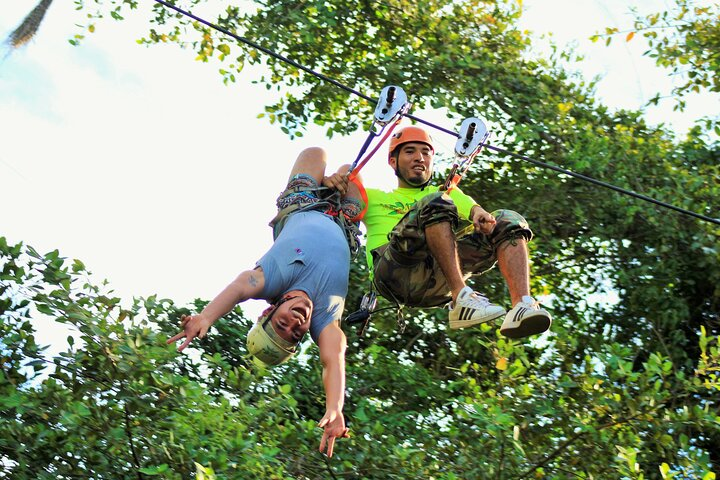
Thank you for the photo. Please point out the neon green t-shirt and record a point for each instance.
(385, 209)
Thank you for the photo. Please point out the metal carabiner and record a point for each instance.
(362, 315)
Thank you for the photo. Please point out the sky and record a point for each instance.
(142, 164)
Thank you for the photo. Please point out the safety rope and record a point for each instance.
(437, 127)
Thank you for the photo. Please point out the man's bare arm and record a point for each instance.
(248, 284)
(332, 344)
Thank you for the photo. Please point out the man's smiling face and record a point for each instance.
(291, 321)
(413, 164)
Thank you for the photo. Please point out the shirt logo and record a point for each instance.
(398, 208)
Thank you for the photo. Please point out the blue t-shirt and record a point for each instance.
(311, 254)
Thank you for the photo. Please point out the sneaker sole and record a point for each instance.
(458, 324)
(528, 326)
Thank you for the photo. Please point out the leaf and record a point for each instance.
(35, 363)
(502, 363)
(629, 36)
(78, 266)
(11, 401)
(156, 470)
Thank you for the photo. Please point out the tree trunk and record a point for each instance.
(29, 27)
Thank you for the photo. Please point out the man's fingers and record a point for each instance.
(175, 338)
(330, 445)
(485, 224)
(185, 344)
(337, 182)
(322, 443)
(340, 187)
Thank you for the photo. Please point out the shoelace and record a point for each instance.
(535, 305)
(478, 299)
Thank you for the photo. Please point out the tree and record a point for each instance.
(119, 403)
(29, 26)
(685, 40)
(624, 387)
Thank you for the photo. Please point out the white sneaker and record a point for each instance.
(525, 319)
(471, 308)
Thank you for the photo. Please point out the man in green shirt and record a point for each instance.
(417, 259)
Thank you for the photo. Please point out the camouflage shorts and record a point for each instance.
(404, 269)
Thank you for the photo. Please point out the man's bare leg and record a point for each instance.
(443, 246)
(311, 161)
(514, 266)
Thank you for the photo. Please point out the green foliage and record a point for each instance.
(119, 403)
(685, 40)
(625, 386)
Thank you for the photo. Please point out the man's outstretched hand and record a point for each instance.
(334, 425)
(193, 326)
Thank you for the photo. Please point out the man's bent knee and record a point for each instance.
(311, 161)
(509, 227)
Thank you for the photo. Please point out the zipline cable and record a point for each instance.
(430, 124)
(606, 185)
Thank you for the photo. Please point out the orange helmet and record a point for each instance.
(410, 134)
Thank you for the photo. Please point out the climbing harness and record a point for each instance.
(473, 135)
(302, 194)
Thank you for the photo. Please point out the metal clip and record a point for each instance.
(401, 322)
(393, 102)
(473, 134)
(362, 315)
(369, 301)
(472, 137)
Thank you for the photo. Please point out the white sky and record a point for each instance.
(161, 179)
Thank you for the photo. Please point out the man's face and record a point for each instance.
(291, 321)
(414, 164)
